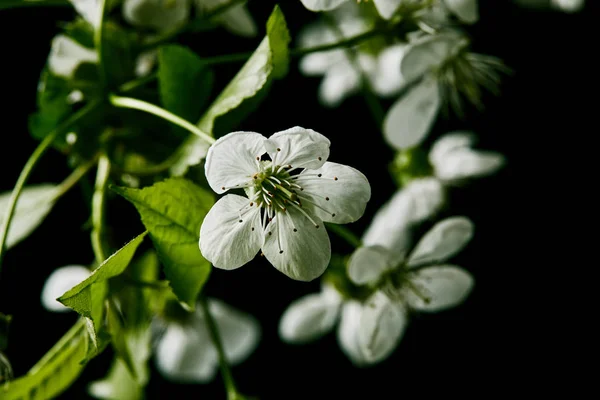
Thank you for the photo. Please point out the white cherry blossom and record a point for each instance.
(419, 282)
(66, 55)
(59, 281)
(185, 352)
(160, 15)
(288, 199)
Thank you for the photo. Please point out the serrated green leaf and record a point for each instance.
(253, 76)
(87, 298)
(56, 371)
(279, 40)
(173, 211)
(33, 206)
(184, 81)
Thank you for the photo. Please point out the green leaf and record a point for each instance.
(4, 323)
(53, 106)
(118, 54)
(87, 298)
(279, 40)
(81, 31)
(173, 211)
(184, 81)
(56, 371)
(33, 206)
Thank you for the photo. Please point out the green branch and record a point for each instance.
(135, 104)
(98, 200)
(28, 168)
(232, 392)
(98, 38)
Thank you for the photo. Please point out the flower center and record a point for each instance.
(397, 282)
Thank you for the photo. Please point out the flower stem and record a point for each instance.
(28, 168)
(136, 83)
(98, 201)
(345, 234)
(128, 102)
(351, 41)
(232, 392)
(75, 176)
(98, 38)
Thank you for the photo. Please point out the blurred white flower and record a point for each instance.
(66, 55)
(419, 282)
(89, 10)
(314, 315)
(569, 6)
(288, 198)
(185, 352)
(160, 15)
(59, 281)
(236, 19)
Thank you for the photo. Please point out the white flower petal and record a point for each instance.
(387, 79)
(89, 10)
(298, 147)
(466, 10)
(347, 333)
(448, 143)
(231, 160)
(225, 241)
(339, 195)
(145, 62)
(238, 20)
(568, 5)
(240, 332)
(427, 195)
(60, 281)
(316, 34)
(186, 354)
(368, 264)
(411, 117)
(309, 317)
(66, 55)
(467, 163)
(319, 63)
(445, 239)
(429, 52)
(156, 14)
(322, 5)
(443, 286)
(302, 254)
(387, 8)
(382, 325)
(340, 81)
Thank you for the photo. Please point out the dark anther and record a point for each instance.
(333, 215)
(319, 158)
(252, 203)
(317, 226)
(278, 149)
(240, 221)
(335, 178)
(295, 230)
(252, 229)
(269, 233)
(320, 175)
(326, 198)
(257, 158)
(222, 187)
(280, 251)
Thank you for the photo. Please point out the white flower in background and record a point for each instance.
(185, 351)
(66, 55)
(59, 281)
(236, 19)
(569, 6)
(410, 118)
(454, 160)
(89, 10)
(419, 282)
(288, 199)
(465, 10)
(341, 76)
(316, 314)
(156, 14)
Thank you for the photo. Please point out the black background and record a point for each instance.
(485, 346)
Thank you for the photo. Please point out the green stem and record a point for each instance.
(232, 392)
(349, 42)
(128, 102)
(136, 83)
(6, 4)
(98, 200)
(345, 234)
(75, 176)
(28, 168)
(98, 38)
